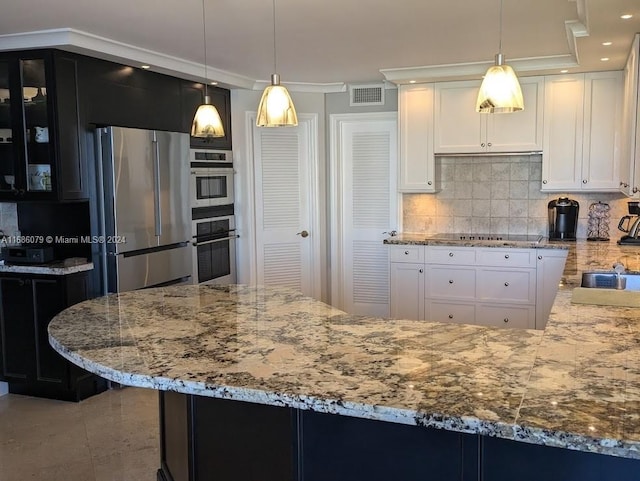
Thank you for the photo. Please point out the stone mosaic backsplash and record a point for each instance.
(498, 195)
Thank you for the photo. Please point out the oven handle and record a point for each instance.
(226, 232)
(215, 240)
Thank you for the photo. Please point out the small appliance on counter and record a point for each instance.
(631, 224)
(563, 219)
(27, 254)
(598, 225)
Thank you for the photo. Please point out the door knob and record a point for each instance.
(304, 233)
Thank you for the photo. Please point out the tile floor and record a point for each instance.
(109, 437)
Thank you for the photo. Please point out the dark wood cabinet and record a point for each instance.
(40, 150)
(27, 361)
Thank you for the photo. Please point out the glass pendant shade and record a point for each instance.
(207, 123)
(276, 108)
(500, 91)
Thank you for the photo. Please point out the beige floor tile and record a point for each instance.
(109, 437)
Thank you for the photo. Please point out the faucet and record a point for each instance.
(621, 282)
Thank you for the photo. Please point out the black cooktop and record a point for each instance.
(462, 237)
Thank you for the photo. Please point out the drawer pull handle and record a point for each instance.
(539, 258)
(450, 281)
(421, 271)
(506, 319)
(450, 254)
(506, 284)
(506, 256)
(450, 316)
(406, 253)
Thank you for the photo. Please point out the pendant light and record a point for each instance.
(206, 123)
(276, 108)
(500, 91)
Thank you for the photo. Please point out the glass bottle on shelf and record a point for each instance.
(7, 161)
(36, 124)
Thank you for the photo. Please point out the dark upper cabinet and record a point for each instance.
(192, 95)
(40, 150)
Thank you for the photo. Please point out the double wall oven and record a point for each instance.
(212, 213)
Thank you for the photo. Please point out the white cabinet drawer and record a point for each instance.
(522, 317)
(507, 257)
(450, 312)
(507, 285)
(406, 253)
(451, 255)
(451, 282)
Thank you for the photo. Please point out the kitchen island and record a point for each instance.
(260, 380)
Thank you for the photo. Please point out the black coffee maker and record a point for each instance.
(563, 219)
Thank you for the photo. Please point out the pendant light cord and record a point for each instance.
(204, 34)
(500, 41)
(275, 63)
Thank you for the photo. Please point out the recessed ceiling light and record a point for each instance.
(564, 71)
(626, 16)
(145, 66)
(606, 44)
(604, 59)
(412, 81)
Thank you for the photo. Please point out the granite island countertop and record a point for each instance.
(574, 385)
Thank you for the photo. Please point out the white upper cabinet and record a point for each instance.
(417, 172)
(582, 132)
(629, 171)
(460, 129)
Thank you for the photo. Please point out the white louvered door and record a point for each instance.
(367, 207)
(284, 195)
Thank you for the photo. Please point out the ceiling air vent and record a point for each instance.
(369, 94)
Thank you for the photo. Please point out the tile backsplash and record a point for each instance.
(8, 218)
(496, 195)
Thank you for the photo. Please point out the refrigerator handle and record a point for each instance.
(156, 180)
(102, 229)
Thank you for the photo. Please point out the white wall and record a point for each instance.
(242, 103)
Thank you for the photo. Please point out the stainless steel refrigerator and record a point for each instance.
(143, 203)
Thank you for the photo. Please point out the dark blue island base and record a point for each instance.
(207, 439)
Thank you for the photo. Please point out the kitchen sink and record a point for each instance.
(629, 281)
(608, 288)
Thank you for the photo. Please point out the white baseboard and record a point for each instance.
(4, 388)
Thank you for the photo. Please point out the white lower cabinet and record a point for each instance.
(407, 290)
(501, 287)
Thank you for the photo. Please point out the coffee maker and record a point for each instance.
(631, 224)
(563, 219)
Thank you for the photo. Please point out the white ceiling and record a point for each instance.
(331, 42)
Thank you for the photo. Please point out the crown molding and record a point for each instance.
(474, 70)
(85, 43)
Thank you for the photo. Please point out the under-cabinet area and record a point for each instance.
(490, 286)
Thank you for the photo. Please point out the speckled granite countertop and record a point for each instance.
(425, 239)
(59, 268)
(574, 385)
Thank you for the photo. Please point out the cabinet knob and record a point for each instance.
(429, 183)
(21, 282)
(506, 256)
(421, 271)
(539, 258)
(450, 254)
(489, 144)
(450, 281)
(635, 190)
(544, 181)
(506, 284)
(406, 253)
(450, 316)
(482, 144)
(506, 319)
(584, 181)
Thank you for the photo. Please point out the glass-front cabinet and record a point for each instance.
(39, 130)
